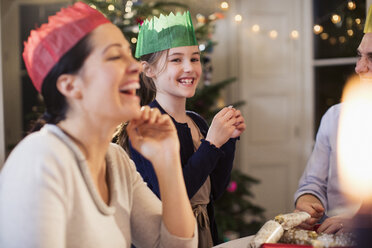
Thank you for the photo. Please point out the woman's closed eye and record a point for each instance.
(115, 57)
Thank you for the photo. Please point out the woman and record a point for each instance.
(66, 185)
(171, 64)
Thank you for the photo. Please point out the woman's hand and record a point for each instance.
(154, 135)
(222, 127)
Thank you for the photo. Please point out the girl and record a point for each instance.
(66, 185)
(170, 59)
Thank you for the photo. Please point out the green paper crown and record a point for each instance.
(368, 24)
(165, 32)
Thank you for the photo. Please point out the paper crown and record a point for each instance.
(47, 44)
(165, 32)
(368, 24)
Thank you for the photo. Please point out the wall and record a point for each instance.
(275, 80)
(2, 140)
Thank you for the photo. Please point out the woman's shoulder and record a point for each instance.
(38, 144)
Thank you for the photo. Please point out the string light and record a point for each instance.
(273, 34)
(255, 28)
(335, 18)
(93, 6)
(133, 40)
(324, 36)
(318, 29)
(200, 18)
(358, 21)
(201, 47)
(224, 5)
(332, 41)
(351, 5)
(350, 32)
(238, 18)
(342, 39)
(111, 7)
(294, 34)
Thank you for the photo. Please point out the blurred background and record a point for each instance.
(283, 63)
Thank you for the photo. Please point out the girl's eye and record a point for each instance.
(175, 60)
(195, 60)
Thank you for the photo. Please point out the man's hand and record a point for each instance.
(310, 204)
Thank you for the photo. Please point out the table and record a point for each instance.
(236, 243)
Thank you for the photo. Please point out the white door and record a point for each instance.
(269, 52)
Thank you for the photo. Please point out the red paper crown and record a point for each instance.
(47, 44)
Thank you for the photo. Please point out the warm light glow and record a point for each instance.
(273, 34)
(351, 5)
(135, 29)
(93, 6)
(354, 151)
(128, 9)
(335, 18)
(133, 40)
(200, 18)
(332, 41)
(358, 21)
(350, 32)
(324, 36)
(238, 18)
(111, 7)
(317, 29)
(224, 5)
(255, 28)
(342, 39)
(295, 34)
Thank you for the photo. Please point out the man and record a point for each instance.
(319, 191)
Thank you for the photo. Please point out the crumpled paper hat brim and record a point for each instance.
(165, 32)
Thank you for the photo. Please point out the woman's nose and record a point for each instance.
(135, 66)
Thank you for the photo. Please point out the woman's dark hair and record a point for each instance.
(55, 102)
(147, 93)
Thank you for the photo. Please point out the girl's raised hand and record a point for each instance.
(222, 127)
(154, 135)
(239, 125)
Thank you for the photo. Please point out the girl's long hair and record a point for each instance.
(147, 94)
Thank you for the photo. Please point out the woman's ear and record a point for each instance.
(147, 69)
(67, 85)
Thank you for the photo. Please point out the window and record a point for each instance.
(338, 30)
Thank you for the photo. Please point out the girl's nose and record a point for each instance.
(187, 66)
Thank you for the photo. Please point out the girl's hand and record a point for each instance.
(154, 135)
(222, 127)
(239, 125)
